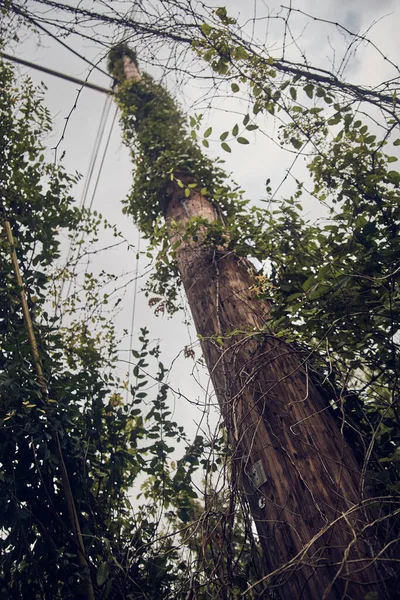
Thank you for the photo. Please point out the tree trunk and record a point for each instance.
(300, 477)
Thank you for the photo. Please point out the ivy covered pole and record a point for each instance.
(301, 479)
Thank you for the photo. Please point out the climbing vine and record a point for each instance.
(162, 148)
(334, 285)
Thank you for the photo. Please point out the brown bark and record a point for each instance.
(277, 423)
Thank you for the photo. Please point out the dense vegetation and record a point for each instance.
(335, 288)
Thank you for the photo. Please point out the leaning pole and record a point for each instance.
(299, 476)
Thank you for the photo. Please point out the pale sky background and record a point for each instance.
(323, 44)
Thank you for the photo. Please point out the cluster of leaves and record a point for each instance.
(334, 284)
(99, 434)
(108, 444)
(162, 148)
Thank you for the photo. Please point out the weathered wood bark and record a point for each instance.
(280, 429)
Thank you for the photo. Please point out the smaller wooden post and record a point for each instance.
(69, 498)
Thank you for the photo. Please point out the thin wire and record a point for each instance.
(96, 148)
(64, 76)
(128, 391)
(103, 158)
(99, 173)
(57, 39)
(93, 159)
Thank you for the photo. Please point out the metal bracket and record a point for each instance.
(257, 474)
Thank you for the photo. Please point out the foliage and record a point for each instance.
(156, 133)
(335, 284)
(110, 446)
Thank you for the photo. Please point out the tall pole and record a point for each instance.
(299, 476)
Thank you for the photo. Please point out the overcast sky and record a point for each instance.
(323, 44)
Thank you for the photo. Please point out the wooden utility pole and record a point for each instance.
(298, 474)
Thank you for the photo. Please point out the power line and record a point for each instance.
(128, 391)
(26, 63)
(95, 151)
(57, 39)
(93, 159)
(103, 158)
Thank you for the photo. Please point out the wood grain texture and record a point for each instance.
(274, 413)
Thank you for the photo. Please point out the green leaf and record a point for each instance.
(295, 296)
(251, 127)
(234, 87)
(205, 143)
(221, 67)
(206, 29)
(293, 93)
(240, 53)
(187, 192)
(102, 574)
(243, 140)
(309, 90)
(370, 139)
(309, 283)
(396, 142)
(319, 290)
(335, 119)
(221, 12)
(296, 143)
(208, 132)
(223, 136)
(246, 120)
(225, 147)
(235, 130)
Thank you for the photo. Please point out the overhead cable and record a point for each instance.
(93, 159)
(28, 17)
(96, 148)
(103, 158)
(26, 63)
